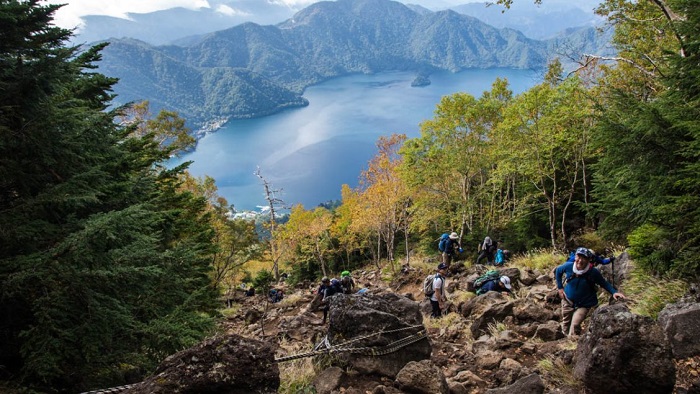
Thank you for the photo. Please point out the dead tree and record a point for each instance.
(273, 204)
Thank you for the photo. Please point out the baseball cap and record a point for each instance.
(442, 266)
(506, 281)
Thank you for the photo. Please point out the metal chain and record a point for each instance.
(111, 390)
(343, 347)
(364, 350)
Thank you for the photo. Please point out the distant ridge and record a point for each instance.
(251, 70)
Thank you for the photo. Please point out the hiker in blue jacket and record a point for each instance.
(452, 249)
(578, 291)
(501, 285)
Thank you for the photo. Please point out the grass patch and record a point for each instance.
(540, 259)
(296, 376)
(496, 328)
(557, 374)
(232, 311)
(291, 299)
(445, 321)
(648, 295)
(460, 296)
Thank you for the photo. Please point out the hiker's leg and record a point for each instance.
(482, 255)
(567, 311)
(325, 312)
(436, 308)
(577, 319)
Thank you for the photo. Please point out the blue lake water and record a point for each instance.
(310, 152)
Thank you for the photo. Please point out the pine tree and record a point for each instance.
(104, 259)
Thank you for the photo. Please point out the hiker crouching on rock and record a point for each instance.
(578, 291)
(501, 285)
(437, 300)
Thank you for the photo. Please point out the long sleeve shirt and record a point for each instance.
(581, 290)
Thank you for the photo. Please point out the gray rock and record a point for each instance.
(680, 322)
(624, 353)
(531, 384)
(422, 377)
(382, 319)
(328, 380)
(228, 364)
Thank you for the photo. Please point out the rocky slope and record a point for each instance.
(382, 341)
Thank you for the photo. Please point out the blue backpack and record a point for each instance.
(443, 242)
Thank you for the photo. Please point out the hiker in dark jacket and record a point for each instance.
(578, 291)
(488, 251)
(330, 290)
(501, 285)
(452, 249)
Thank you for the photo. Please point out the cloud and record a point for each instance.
(69, 15)
(226, 10)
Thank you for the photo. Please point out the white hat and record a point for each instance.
(506, 281)
(454, 236)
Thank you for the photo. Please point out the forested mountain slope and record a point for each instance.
(251, 70)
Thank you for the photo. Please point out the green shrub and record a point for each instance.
(650, 249)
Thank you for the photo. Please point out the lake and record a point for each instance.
(308, 153)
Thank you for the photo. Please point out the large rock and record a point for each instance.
(624, 353)
(422, 377)
(380, 320)
(223, 364)
(680, 322)
(531, 384)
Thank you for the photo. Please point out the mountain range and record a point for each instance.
(254, 70)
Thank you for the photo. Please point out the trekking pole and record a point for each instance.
(612, 299)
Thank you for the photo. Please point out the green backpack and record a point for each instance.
(488, 276)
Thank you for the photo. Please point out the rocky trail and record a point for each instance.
(383, 341)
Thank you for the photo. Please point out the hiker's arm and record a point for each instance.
(557, 278)
(608, 287)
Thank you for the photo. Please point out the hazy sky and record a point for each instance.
(69, 15)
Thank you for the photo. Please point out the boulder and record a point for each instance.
(531, 384)
(375, 322)
(624, 353)
(228, 364)
(328, 380)
(680, 322)
(422, 377)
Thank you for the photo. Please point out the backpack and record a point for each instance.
(500, 257)
(488, 276)
(346, 282)
(443, 242)
(428, 285)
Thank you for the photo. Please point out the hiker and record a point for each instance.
(438, 299)
(450, 249)
(488, 249)
(250, 292)
(596, 259)
(318, 294)
(275, 295)
(332, 289)
(501, 285)
(347, 282)
(578, 291)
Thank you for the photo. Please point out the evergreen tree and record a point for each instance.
(647, 181)
(104, 260)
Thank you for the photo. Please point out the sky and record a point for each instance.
(69, 16)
